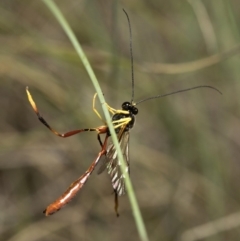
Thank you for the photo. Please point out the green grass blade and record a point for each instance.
(136, 211)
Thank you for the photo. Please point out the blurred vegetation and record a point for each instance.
(184, 148)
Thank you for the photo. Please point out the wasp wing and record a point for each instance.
(112, 164)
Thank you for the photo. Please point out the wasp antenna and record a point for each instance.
(179, 91)
(131, 53)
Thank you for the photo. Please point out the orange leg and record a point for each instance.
(76, 186)
(99, 130)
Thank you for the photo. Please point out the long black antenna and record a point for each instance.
(131, 53)
(179, 91)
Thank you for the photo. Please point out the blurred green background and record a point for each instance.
(184, 149)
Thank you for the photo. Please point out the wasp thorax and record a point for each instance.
(125, 120)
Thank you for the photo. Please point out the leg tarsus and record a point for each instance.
(116, 202)
(94, 109)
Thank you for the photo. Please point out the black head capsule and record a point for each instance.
(132, 111)
(129, 107)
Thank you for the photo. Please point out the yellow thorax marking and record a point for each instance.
(123, 121)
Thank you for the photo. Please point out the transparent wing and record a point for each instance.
(113, 164)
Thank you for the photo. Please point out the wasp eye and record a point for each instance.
(134, 110)
(125, 105)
